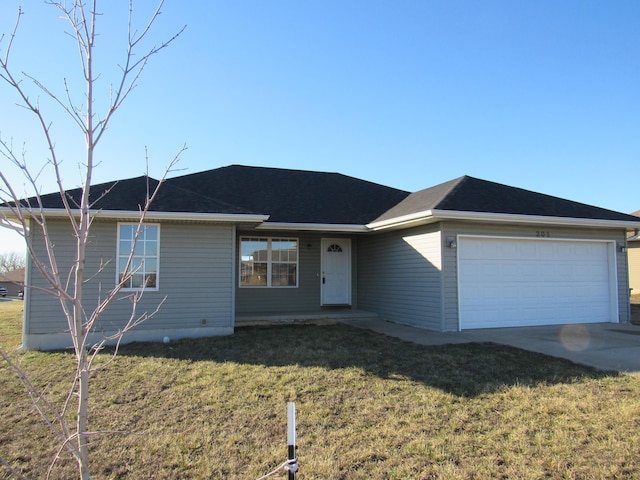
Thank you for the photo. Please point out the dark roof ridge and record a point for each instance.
(292, 170)
(253, 167)
(286, 169)
(457, 185)
(422, 200)
(113, 182)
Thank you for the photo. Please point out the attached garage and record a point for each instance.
(510, 282)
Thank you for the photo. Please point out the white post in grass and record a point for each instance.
(291, 440)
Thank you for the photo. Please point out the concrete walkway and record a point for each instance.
(606, 346)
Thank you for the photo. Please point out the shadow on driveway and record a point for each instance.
(605, 346)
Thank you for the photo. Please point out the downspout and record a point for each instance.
(235, 259)
(441, 277)
(626, 255)
(26, 298)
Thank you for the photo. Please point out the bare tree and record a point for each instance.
(27, 216)
(11, 261)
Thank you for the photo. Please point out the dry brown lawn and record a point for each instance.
(369, 407)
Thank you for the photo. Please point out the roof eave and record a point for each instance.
(149, 216)
(435, 215)
(404, 221)
(314, 227)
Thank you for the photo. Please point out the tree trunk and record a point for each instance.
(82, 18)
(83, 406)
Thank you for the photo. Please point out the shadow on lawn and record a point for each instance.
(464, 370)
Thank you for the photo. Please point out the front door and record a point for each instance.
(336, 271)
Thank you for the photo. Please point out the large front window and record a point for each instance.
(139, 269)
(268, 262)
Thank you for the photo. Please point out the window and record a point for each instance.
(334, 248)
(143, 269)
(268, 262)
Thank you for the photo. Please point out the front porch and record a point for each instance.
(317, 317)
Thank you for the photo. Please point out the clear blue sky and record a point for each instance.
(538, 94)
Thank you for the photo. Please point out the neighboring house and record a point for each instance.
(633, 243)
(13, 281)
(245, 244)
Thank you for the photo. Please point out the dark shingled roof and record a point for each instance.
(468, 194)
(299, 196)
(130, 195)
(295, 196)
(290, 196)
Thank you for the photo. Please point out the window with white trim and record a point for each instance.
(268, 262)
(142, 271)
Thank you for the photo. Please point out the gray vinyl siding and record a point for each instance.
(400, 276)
(195, 275)
(450, 280)
(634, 266)
(303, 298)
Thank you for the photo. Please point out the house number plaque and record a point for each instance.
(543, 234)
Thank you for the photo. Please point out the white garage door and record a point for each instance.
(517, 282)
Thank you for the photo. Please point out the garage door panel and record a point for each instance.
(516, 282)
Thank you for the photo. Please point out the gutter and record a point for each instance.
(411, 220)
(314, 227)
(406, 221)
(432, 216)
(135, 215)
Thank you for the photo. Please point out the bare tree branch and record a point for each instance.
(45, 409)
(28, 216)
(11, 261)
(12, 470)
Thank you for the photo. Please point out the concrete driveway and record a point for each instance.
(606, 346)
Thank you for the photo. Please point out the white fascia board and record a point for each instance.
(404, 221)
(314, 227)
(533, 219)
(150, 216)
(430, 216)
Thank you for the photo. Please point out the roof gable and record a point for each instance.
(484, 196)
(469, 194)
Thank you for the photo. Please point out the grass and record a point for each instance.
(369, 407)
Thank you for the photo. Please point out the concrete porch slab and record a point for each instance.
(316, 317)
